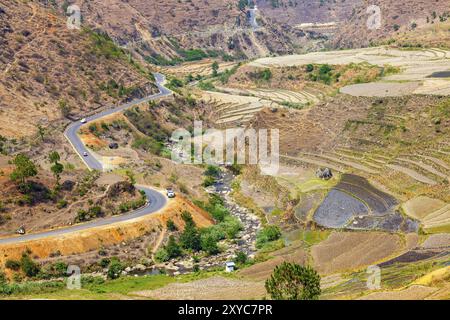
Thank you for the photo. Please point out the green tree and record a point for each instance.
(215, 69)
(241, 258)
(115, 269)
(56, 168)
(161, 255)
(171, 225)
(29, 267)
(190, 237)
(291, 281)
(24, 168)
(209, 244)
(131, 177)
(172, 248)
(54, 157)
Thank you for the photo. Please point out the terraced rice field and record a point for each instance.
(379, 202)
(430, 169)
(237, 106)
(203, 68)
(416, 68)
(277, 95)
(432, 213)
(355, 204)
(344, 251)
(437, 241)
(233, 109)
(411, 293)
(396, 280)
(338, 209)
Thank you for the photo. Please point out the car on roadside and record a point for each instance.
(21, 230)
(83, 120)
(170, 193)
(85, 154)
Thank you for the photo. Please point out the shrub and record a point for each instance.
(12, 265)
(3, 280)
(161, 255)
(175, 83)
(172, 248)
(209, 244)
(231, 226)
(219, 212)
(209, 181)
(29, 267)
(171, 225)
(104, 263)
(95, 211)
(190, 238)
(81, 215)
(212, 171)
(115, 269)
(267, 234)
(61, 204)
(241, 258)
(206, 85)
(265, 75)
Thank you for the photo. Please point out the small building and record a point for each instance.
(114, 145)
(229, 266)
(324, 173)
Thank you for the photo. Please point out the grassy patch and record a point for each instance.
(312, 237)
(99, 289)
(440, 229)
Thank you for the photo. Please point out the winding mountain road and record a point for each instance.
(156, 200)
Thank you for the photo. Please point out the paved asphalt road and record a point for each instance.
(156, 200)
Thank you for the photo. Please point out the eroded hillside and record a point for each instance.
(398, 18)
(165, 32)
(48, 72)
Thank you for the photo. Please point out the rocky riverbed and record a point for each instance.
(245, 241)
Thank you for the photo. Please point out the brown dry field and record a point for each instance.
(421, 206)
(440, 240)
(214, 288)
(346, 251)
(203, 67)
(412, 293)
(261, 271)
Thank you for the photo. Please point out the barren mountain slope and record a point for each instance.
(397, 17)
(48, 71)
(165, 28)
(307, 11)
